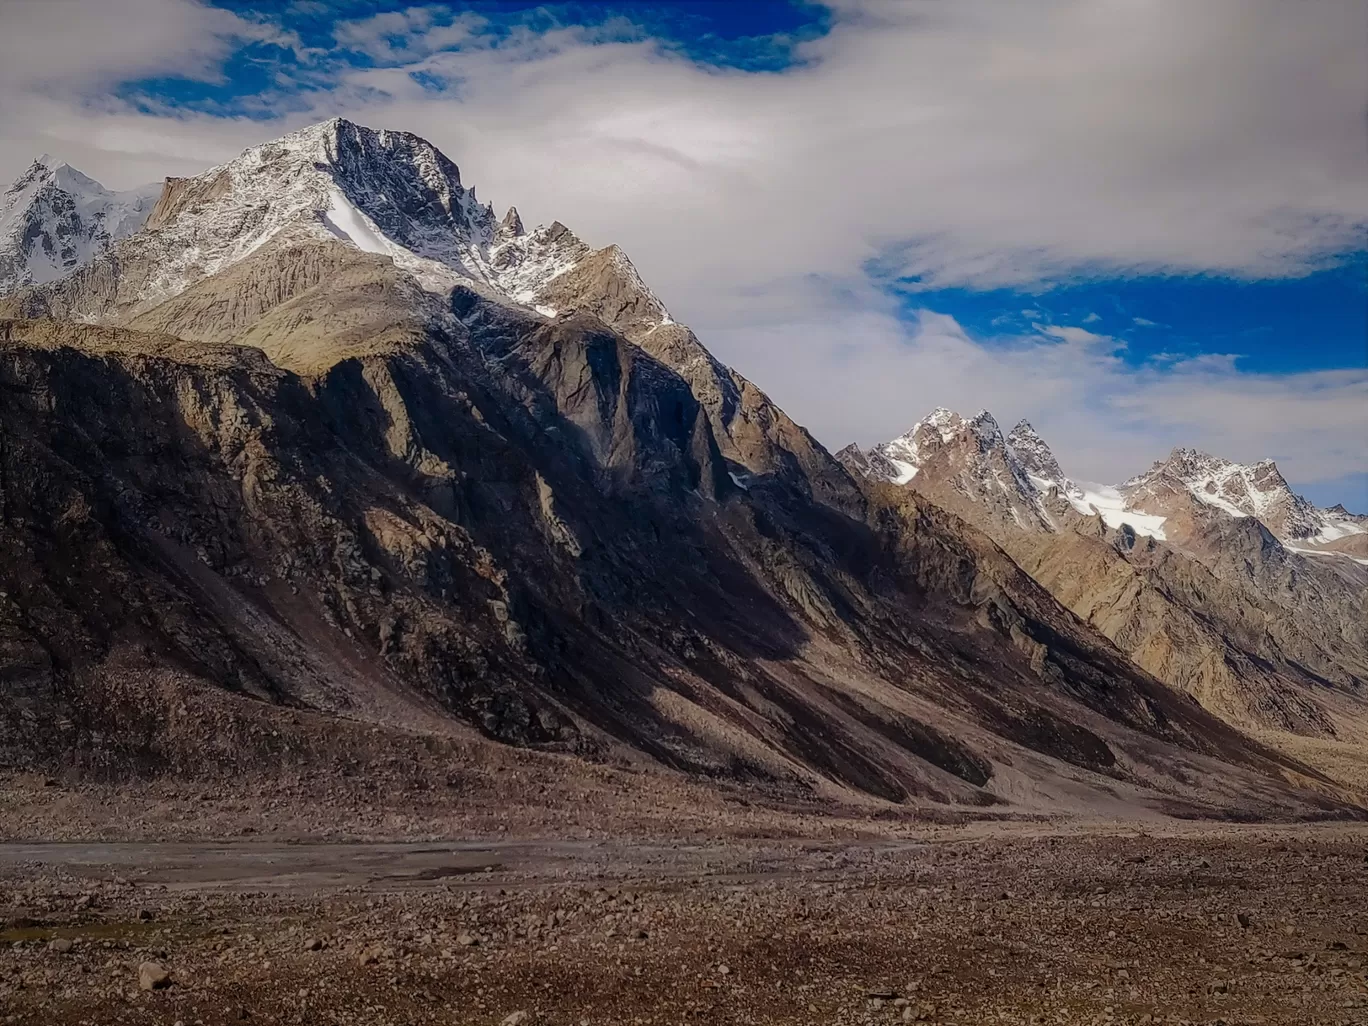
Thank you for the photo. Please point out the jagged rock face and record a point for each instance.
(1200, 489)
(395, 196)
(388, 193)
(1034, 456)
(54, 219)
(1256, 654)
(1179, 567)
(965, 466)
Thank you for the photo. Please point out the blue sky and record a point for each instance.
(1315, 322)
(1137, 225)
(755, 36)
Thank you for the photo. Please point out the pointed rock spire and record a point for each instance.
(1033, 454)
(511, 224)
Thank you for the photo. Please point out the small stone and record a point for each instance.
(152, 976)
(465, 940)
(61, 945)
(145, 915)
(1243, 919)
(313, 944)
(515, 1018)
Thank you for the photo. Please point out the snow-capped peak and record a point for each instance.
(986, 429)
(1240, 490)
(1018, 477)
(951, 458)
(946, 422)
(899, 460)
(384, 192)
(53, 219)
(970, 458)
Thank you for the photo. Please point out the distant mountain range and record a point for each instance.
(1020, 475)
(317, 430)
(54, 219)
(1214, 576)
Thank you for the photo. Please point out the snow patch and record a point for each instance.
(350, 225)
(1324, 552)
(54, 219)
(906, 471)
(1334, 528)
(1110, 504)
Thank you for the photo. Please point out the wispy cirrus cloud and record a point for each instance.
(397, 37)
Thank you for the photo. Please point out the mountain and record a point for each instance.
(1191, 486)
(54, 219)
(326, 437)
(971, 460)
(1214, 576)
(394, 195)
(963, 465)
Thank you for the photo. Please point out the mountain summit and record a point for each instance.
(1255, 490)
(392, 194)
(1213, 575)
(952, 460)
(972, 460)
(54, 219)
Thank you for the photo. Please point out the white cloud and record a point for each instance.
(402, 36)
(1078, 336)
(975, 143)
(867, 376)
(985, 142)
(60, 61)
(61, 46)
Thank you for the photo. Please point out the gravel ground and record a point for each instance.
(975, 925)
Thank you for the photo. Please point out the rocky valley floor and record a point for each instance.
(975, 924)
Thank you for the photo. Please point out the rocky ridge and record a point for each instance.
(1214, 576)
(1237, 490)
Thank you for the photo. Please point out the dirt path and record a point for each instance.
(309, 869)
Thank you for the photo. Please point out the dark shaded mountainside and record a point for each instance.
(304, 483)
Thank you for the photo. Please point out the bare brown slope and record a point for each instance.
(519, 536)
(305, 306)
(752, 433)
